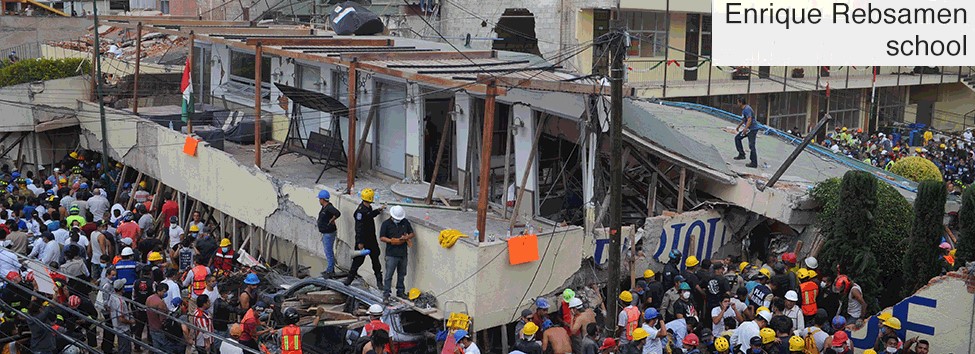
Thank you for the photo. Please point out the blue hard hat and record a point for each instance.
(839, 322)
(674, 254)
(547, 324)
(15, 174)
(685, 286)
(650, 314)
(541, 303)
(324, 194)
(252, 279)
(84, 186)
(460, 334)
(176, 301)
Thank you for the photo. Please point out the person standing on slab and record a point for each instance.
(365, 237)
(748, 128)
(395, 232)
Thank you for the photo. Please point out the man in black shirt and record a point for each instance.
(141, 289)
(42, 337)
(365, 237)
(396, 232)
(222, 310)
(86, 308)
(326, 226)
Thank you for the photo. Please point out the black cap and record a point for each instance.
(756, 340)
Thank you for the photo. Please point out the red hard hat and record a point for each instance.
(842, 282)
(13, 275)
(30, 276)
(74, 301)
(690, 339)
(789, 257)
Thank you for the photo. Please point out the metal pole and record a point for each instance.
(353, 90)
(710, 69)
(258, 58)
(785, 78)
(98, 89)
(616, 173)
(795, 153)
(192, 106)
(487, 137)
(666, 45)
(138, 64)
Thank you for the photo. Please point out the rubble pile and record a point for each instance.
(119, 43)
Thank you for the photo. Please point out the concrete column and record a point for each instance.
(414, 125)
(462, 124)
(523, 142)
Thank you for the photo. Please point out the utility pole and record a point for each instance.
(98, 88)
(617, 51)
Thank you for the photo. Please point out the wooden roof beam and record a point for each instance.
(165, 21)
(557, 86)
(334, 42)
(250, 31)
(419, 56)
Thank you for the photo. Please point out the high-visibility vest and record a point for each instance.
(291, 339)
(808, 297)
(374, 325)
(950, 260)
(223, 261)
(199, 279)
(632, 320)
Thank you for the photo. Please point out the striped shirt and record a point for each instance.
(202, 320)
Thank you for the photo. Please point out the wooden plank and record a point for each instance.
(328, 312)
(321, 42)
(681, 190)
(486, 54)
(558, 86)
(250, 31)
(166, 21)
(135, 187)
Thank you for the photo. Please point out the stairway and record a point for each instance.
(969, 79)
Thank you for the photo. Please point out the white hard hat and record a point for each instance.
(812, 263)
(376, 309)
(791, 295)
(574, 303)
(127, 251)
(767, 316)
(397, 213)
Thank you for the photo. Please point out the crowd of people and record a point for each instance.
(781, 307)
(953, 155)
(83, 261)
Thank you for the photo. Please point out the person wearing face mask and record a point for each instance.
(223, 261)
(396, 232)
(888, 329)
(684, 307)
(892, 345)
(839, 344)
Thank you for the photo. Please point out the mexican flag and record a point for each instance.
(186, 87)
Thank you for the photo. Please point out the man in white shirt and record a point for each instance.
(8, 260)
(52, 250)
(792, 311)
(175, 232)
(819, 335)
(98, 205)
(173, 292)
(61, 235)
(656, 337)
(745, 331)
(724, 310)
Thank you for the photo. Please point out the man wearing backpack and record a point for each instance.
(814, 336)
(140, 293)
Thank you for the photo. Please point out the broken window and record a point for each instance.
(242, 67)
(560, 170)
(516, 32)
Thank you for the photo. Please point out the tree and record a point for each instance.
(917, 169)
(922, 259)
(966, 217)
(848, 247)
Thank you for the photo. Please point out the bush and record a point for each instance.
(847, 247)
(917, 169)
(966, 218)
(30, 70)
(923, 260)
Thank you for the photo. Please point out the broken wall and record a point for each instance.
(479, 276)
(698, 233)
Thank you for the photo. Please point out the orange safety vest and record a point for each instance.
(809, 292)
(199, 279)
(950, 260)
(632, 320)
(291, 339)
(223, 261)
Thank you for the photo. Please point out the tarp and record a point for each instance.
(352, 18)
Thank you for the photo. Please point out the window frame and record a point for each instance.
(638, 33)
(265, 69)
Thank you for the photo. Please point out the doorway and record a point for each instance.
(391, 131)
(434, 124)
(560, 188)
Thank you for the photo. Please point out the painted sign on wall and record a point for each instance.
(941, 313)
(698, 233)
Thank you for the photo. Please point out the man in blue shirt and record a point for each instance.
(747, 128)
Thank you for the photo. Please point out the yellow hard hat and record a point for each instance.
(796, 344)
(943, 146)
(952, 252)
(74, 154)
(897, 148)
(802, 273)
(647, 274)
(194, 228)
(721, 344)
(691, 261)
(844, 129)
(917, 149)
(224, 242)
(869, 351)
(155, 256)
(893, 322)
(529, 329)
(742, 266)
(640, 334)
(368, 195)
(626, 296)
(142, 184)
(811, 274)
(767, 273)
(767, 334)
(414, 293)
(762, 308)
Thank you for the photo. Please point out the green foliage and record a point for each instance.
(917, 169)
(922, 261)
(849, 222)
(966, 217)
(30, 70)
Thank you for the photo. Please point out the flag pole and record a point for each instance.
(189, 65)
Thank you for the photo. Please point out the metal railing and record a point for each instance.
(24, 51)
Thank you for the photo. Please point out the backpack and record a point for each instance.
(810, 346)
(360, 343)
(172, 327)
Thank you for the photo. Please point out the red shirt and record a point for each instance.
(130, 230)
(169, 209)
(156, 319)
(249, 324)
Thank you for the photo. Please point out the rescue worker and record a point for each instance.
(528, 345)
(672, 268)
(126, 270)
(375, 321)
(291, 333)
(396, 232)
(197, 277)
(629, 318)
(248, 295)
(888, 329)
(796, 345)
(808, 292)
(75, 212)
(326, 226)
(635, 345)
(761, 294)
(365, 237)
(223, 261)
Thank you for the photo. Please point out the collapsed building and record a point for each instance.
(394, 114)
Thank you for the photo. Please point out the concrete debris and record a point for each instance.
(119, 43)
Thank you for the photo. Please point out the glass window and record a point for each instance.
(242, 67)
(845, 107)
(788, 111)
(706, 36)
(648, 31)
